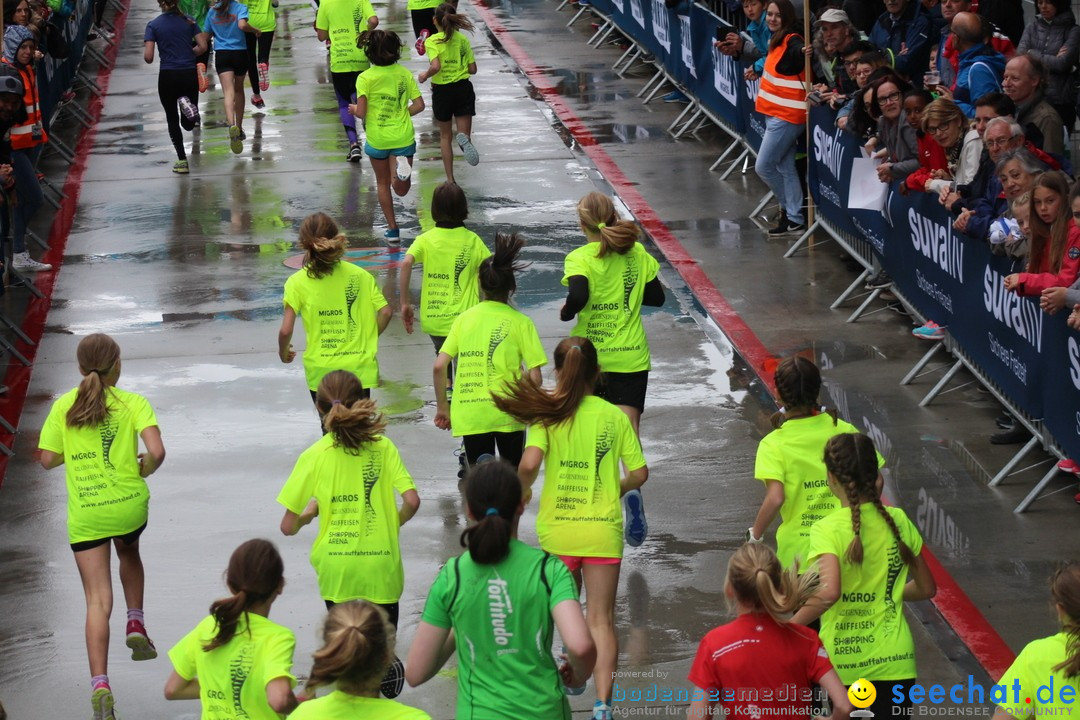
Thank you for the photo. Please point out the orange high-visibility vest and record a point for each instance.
(22, 135)
(781, 96)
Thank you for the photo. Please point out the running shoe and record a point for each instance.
(485, 458)
(637, 528)
(257, 102)
(424, 35)
(180, 167)
(142, 648)
(879, 281)
(930, 331)
(392, 236)
(355, 153)
(601, 711)
(677, 96)
(471, 156)
(189, 110)
(236, 143)
(204, 81)
(102, 702)
(264, 76)
(243, 135)
(404, 169)
(22, 261)
(393, 681)
(1069, 466)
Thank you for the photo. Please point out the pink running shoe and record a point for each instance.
(141, 646)
(264, 77)
(1069, 466)
(424, 35)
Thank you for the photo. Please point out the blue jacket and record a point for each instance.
(979, 72)
(759, 32)
(911, 33)
(988, 208)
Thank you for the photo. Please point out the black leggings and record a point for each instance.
(511, 446)
(173, 85)
(261, 55)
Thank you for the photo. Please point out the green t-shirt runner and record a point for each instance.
(1033, 669)
(343, 21)
(491, 341)
(106, 495)
(389, 89)
(342, 706)
(356, 554)
(339, 313)
(501, 618)
(197, 10)
(450, 283)
(865, 631)
(794, 455)
(455, 55)
(233, 677)
(580, 510)
(612, 317)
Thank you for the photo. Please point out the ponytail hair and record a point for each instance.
(450, 21)
(798, 383)
(576, 372)
(97, 356)
(1065, 590)
(351, 418)
(757, 580)
(596, 213)
(852, 460)
(382, 47)
(493, 495)
(358, 646)
(497, 280)
(256, 573)
(323, 243)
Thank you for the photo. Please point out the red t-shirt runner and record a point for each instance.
(754, 663)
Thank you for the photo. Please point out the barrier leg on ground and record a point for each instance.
(870, 297)
(656, 89)
(96, 56)
(602, 33)
(635, 52)
(1011, 465)
(10, 350)
(88, 82)
(802, 240)
(677, 122)
(760, 206)
(58, 147)
(915, 371)
(80, 115)
(1035, 491)
(563, 4)
(15, 329)
(3, 420)
(745, 157)
(941, 384)
(581, 11)
(658, 76)
(36, 239)
(735, 144)
(694, 117)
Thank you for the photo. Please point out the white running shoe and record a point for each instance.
(23, 261)
(404, 169)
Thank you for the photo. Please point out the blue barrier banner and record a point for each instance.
(755, 121)
(719, 77)
(1061, 386)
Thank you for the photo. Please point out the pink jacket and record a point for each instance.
(1033, 283)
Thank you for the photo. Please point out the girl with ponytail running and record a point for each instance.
(228, 22)
(237, 661)
(494, 344)
(358, 645)
(94, 432)
(581, 439)
(452, 94)
(349, 479)
(261, 17)
(509, 672)
(760, 649)
(340, 23)
(864, 554)
(1056, 657)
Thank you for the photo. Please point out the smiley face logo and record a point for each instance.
(862, 693)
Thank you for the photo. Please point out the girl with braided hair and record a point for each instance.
(237, 661)
(1056, 657)
(865, 553)
(344, 311)
(349, 479)
(789, 462)
(494, 345)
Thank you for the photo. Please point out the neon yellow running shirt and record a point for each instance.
(106, 495)
(344, 20)
(1033, 669)
(450, 282)
(490, 342)
(865, 631)
(389, 89)
(794, 455)
(356, 554)
(580, 510)
(423, 4)
(261, 15)
(339, 313)
(233, 677)
(612, 317)
(342, 706)
(455, 55)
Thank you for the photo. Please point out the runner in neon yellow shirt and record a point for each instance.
(422, 14)
(387, 97)
(452, 94)
(581, 439)
(789, 463)
(493, 343)
(94, 431)
(349, 479)
(499, 603)
(237, 661)
(1050, 662)
(863, 553)
(344, 311)
(261, 16)
(340, 23)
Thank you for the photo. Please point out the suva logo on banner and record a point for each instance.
(828, 150)
(726, 76)
(660, 24)
(687, 45)
(1025, 318)
(618, 4)
(635, 10)
(1074, 362)
(938, 243)
(751, 87)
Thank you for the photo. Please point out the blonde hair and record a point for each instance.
(596, 213)
(758, 581)
(97, 356)
(347, 415)
(358, 646)
(323, 243)
(941, 112)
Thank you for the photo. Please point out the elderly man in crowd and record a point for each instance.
(903, 32)
(975, 213)
(981, 67)
(834, 36)
(1024, 83)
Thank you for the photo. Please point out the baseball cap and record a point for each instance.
(832, 15)
(10, 85)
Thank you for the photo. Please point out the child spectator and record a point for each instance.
(1054, 257)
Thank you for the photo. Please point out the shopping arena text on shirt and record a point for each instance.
(976, 693)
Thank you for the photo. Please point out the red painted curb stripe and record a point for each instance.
(17, 377)
(952, 602)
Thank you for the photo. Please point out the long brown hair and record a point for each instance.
(576, 372)
(852, 459)
(498, 271)
(493, 494)
(323, 243)
(798, 383)
(596, 213)
(1065, 589)
(255, 574)
(1048, 241)
(758, 580)
(450, 21)
(787, 22)
(347, 415)
(358, 646)
(97, 356)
